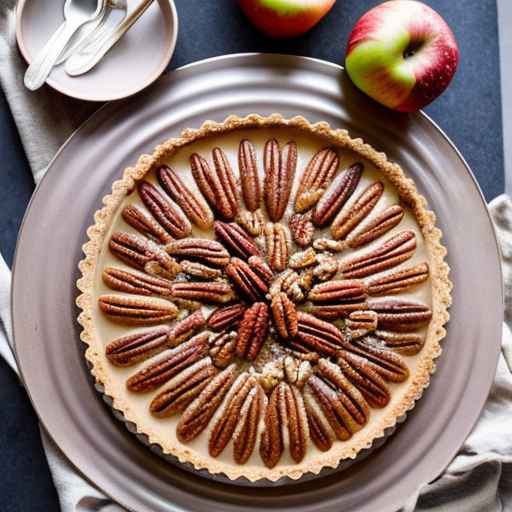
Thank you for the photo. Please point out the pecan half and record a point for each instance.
(226, 317)
(246, 432)
(277, 241)
(397, 314)
(137, 310)
(365, 378)
(399, 281)
(136, 217)
(223, 349)
(200, 249)
(302, 228)
(166, 214)
(192, 205)
(271, 375)
(407, 344)
(284, 314)
(290, 283)
(196, 269)
(350, 218)
(349, 292)
(249, 175)
(260, 266)
(380, 225)
(327, 267)
(297, 372)
(198, 414)
(317, 335)
(129, 350)
(285, 411)
(138, 283)
(185, 328)
(387, 364)
(320, 431)
(225, 426)
(246, 280)
(389, 254)
(306, 280)
(336, 195)
(176, 360)
(348, 408)
(236, 240)
(303, 259)
(253, 331)
(142, 254)
(183, 388)
(218, 186)
(252, 222)
(326, 244)
(360, 323)
(210, 292)
(317, 175)
(279, 173)
(334, 312)
(344, 413)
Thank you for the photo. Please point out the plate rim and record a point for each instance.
(20, 4)
(172, 76)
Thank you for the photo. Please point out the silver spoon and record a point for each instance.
(76, 14)
(83, 61)
(97, 29)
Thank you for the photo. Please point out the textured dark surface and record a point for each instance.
(469, 112)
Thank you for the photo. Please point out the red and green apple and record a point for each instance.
(402, 54)
(285, 18)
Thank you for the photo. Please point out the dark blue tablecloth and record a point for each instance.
(469, 112)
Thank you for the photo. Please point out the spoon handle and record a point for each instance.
(40, 68)
(84, 61)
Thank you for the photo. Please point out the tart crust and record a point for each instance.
(440, 289)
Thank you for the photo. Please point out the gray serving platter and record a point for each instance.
(50, 354)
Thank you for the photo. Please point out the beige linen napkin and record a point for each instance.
(44, 120)
(479, 479)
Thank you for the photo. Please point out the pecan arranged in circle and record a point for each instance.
(277, 240)
(249, 175)
(236, 240)
(226, 317)
(302, 228)
(337, 195)
(246, 280)
(167, 215)
(280, 168)
(217, 185)
(137, 310)
(209, 252)
(194, 206)
(253, 331)
(316, 177)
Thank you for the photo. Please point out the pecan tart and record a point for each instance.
(263, 297)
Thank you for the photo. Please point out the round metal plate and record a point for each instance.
(49, 248)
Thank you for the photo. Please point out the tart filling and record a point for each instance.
(264, 297)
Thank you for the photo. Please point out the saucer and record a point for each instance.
(139, 58)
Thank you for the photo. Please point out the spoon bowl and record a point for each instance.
(76, 14)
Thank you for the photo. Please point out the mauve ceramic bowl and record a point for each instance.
(133, 64)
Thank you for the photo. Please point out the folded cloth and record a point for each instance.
(44, 120)
(480, 476)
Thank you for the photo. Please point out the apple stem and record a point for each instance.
(412, 48)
